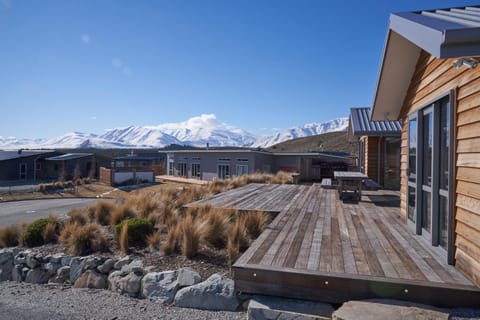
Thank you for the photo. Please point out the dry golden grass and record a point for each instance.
(255, 222)
(9, 236)
(81, 240)
(103, 210)
(50, 234)
(173, 240)
(192, 231)
(217, 223)
(121, 212)
(79, 216)
(22, 226)
(123, 239)
(237, 240)
(146, 204)
(154, 240)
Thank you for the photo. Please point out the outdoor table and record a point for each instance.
(349, 181)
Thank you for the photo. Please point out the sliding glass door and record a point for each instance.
(429, 172)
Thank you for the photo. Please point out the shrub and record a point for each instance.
(255, 222)
(121, 213)
(192, 236)
(78, 216)
(102, 212)
(138, 230)
(34, 234)
(9, 236)
(82, 240)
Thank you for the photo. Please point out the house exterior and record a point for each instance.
(24, 164)
(69, 166)
(429, 79)
(150, 161)
(211, 164)
(378, 147)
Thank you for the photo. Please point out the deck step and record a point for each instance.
(269, 308)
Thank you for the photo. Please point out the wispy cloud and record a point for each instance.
(120, 65)
(85, 38)
(7, 4)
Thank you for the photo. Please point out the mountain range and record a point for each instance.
(196, 131)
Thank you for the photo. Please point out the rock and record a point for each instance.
(32, 261)
(63, 274)
(122, 283)
(37, 275)
(91, 279)
(6, 263)
(75, 268)
(20, 258)
(270, 308)
(134, 266)
(51, 267)
(107, 266)
(215, 293)
(387, 309)
(66, 260)
(57, 258)
(122, 262)
(91, 263)
(17, 274)
(187, 277)
(160, 286)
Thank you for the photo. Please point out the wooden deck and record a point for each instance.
(321, 248)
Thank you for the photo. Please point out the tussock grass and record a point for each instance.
(51, 232)
(192, 231)
(103, 210)
(173, 240)
(154, 240)
(122, 212)
(78, 216)
(123, 239)
(82, 240)
(237, 240)
(9, 236)
(216, 227)
(255, 222)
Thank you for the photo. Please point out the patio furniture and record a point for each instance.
(349, 181)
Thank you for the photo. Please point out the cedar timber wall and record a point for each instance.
(372, 160)
(433, 78)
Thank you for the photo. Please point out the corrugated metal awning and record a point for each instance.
(69, 156)
(361, 125)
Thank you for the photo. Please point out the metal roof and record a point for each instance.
(9, 155)
(69, 156)
(361, 125)
(443, 33)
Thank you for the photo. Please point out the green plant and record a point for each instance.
(34, 234)
(9, 236)
(138, 230)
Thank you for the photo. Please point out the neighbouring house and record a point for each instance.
(133, 168)
(430, 80)
(69, 166)
(24, 164)
(211, 164)
(378, 147)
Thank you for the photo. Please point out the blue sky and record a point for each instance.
(259, 65)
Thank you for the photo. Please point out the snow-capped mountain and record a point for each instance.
(196, 131)
(309, 129)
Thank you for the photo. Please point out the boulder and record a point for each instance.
(66, 260)
(51, 267)
(91, 279)
(129, 283)
(107, 266)
(215, 293)
(32, 261)
(187, 277)
(91, 263)
(63, 274)
(20, 258)
(37, 275)
(122, 262)
(17, 273)
(270, 308)
(387, 309)
(75, 268)
(57, 258)
(6, 263)
(160, 286)
(134, 266)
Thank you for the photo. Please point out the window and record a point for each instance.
(242, 160)
(23, 171)
(242, 169)
(223, 171)
(171, 168)
(196, 170)
(182, 169)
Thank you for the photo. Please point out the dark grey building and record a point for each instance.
(24, 164)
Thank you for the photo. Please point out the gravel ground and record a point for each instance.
(22, 301)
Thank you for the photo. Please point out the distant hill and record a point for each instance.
(332, 141)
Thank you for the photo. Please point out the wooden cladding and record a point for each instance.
(432, 79)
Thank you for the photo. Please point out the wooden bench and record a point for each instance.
(326, 183)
